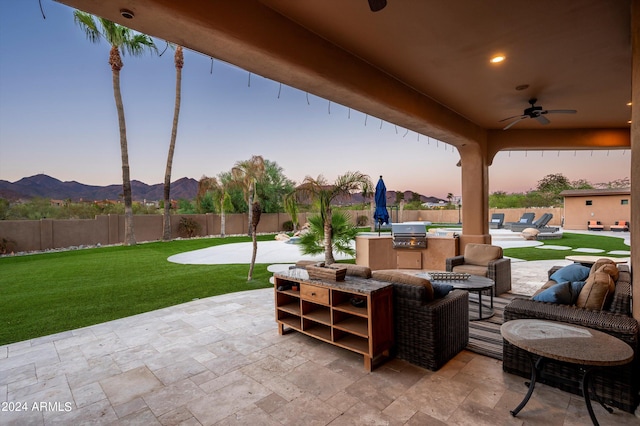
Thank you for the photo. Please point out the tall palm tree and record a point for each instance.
(319, 189)
(246, 174)
(121, 39)
(166, 218)
(219, 190)
(255, 219)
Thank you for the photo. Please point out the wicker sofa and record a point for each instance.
(428, 332)
(617, 386)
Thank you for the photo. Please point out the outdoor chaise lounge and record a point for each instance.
(525, 219)
(540, 224)
(497, 221)
(594, 225)
(620, 226)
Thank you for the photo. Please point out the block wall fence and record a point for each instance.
(44, 234)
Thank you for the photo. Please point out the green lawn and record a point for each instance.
(570, 240)
(53, 292)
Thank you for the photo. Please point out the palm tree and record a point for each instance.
(291, 207)
(450, 197)
(166, 218)
(318, 189)
(246, 174)
(120, 38)
(220, 195)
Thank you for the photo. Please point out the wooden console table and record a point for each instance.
(325, 310)
(552, 340)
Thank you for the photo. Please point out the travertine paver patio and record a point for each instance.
(221, 361)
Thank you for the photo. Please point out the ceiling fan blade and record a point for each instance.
(514, 122)
(513, 116)
(542, 119)
(560, 111)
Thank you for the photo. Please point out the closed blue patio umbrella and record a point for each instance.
(381, 215)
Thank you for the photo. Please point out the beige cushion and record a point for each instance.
(471, 269)
(355, 270)
(394, 276)
(594, 294)
(606, 265)
(481, 254)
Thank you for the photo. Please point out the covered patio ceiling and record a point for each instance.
(425, 65)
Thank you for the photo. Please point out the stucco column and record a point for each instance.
(635, 152)
(475, 195)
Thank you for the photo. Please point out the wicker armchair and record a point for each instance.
(617, 386)
(484, 260)
(429, 334)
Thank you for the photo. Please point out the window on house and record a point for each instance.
(624, 202)
(589, 202)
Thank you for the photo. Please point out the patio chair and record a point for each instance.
(497, 221)
(525, 219)
(620, 226)
(484, 260)
(594, 225)
(540, 224)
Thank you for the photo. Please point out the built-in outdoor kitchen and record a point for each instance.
(408, 246)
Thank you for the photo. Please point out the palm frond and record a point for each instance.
(90, 27)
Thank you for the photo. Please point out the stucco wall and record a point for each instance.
(606, 208)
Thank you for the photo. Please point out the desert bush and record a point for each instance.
(287, 226)
(188, 227)
(362, 220)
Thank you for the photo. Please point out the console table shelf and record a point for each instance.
(324, 310)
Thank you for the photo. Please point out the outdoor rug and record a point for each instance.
(484, 335)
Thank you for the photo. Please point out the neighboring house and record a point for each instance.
(604, 205)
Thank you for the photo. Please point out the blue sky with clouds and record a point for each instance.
(58, 117)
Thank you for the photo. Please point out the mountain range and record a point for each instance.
(48, 187)
(45, 186)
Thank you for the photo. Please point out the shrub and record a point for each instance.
(287, 226)
(362, 220)
(188, 227)
(7, 246)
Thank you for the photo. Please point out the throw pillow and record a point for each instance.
(559, 293)
(571, 273)
(355, 270)
(394, 276)
(606, 265)
(441, 290)
(594, 294)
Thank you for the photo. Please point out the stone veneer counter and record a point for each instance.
(350, 284)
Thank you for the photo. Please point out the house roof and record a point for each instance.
(595, 192)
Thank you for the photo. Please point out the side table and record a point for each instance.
(552, 340)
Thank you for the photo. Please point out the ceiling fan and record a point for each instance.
(536, 112)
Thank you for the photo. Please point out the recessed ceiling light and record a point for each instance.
(628, 103)
(497, 59)
(126, 13)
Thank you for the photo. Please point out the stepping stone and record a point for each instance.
(588, 250)
(620, 252)
(552, 247)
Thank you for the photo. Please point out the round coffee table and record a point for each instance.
(552, 340)
(474, 283)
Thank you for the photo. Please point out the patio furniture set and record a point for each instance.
(527, 225)
(425, 319)
(619, 226)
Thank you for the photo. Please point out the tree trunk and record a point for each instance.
(129, 236)
(249, 205)
(223, 223)
(328, 242)
(257, 212)
(166, 218)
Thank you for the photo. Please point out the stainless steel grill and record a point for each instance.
(409, 236)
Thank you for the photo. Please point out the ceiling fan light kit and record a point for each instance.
(537, 113)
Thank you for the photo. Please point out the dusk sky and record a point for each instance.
(58, 117)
